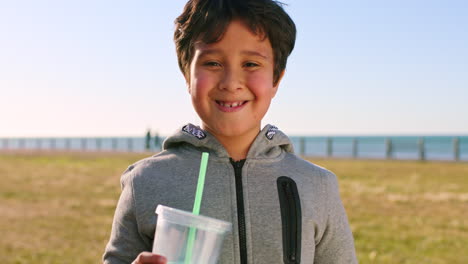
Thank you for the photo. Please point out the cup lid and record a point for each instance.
(185, 218)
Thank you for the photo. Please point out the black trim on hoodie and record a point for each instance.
(291, 219)
(240, 209)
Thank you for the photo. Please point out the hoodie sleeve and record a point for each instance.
(125, 242)
(337, 243)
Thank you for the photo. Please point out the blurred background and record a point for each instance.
(109, 68)
(374, 90)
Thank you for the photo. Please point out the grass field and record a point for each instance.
(58, 207)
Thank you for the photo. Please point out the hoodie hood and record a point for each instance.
(269, 143)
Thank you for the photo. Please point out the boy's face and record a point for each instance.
(231, 82)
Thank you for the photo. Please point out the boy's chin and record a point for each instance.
(232, 131)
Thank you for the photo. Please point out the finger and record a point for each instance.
(150, 258)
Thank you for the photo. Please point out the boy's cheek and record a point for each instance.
(201, 82)
(260, 83)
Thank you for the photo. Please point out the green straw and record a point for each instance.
(196, 205)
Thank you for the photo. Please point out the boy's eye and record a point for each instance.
(251, 64)
(212, 64)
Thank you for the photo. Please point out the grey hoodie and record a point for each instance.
(283, 209)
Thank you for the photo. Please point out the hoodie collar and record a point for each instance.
(269, 143)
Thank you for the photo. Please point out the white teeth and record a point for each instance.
(235, 104)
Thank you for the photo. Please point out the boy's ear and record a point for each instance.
(187, 82)
(276, 85)
(189, 90)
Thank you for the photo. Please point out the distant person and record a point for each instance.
(283, 209)
(148, 140)
(157, 141)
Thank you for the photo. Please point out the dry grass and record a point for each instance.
(58, 207)
(405, 211)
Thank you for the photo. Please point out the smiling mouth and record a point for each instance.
(231, 104)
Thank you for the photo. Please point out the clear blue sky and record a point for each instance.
(105, 68)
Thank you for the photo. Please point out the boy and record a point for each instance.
(233, 55)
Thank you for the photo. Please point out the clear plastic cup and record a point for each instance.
(172, 238)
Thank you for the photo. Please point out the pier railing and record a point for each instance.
(377, 147)
(398, 147)
(117, 144)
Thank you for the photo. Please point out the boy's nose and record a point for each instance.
(231, 81)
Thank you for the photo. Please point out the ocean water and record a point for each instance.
(377, 147)
(369, 147)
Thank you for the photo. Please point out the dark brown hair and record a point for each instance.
(207, 20)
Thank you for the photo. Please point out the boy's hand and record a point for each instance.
(149, 258)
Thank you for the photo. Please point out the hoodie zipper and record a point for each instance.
(291, 219)
(240, 209)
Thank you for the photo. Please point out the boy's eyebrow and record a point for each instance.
(209, 52)
(244, 52)
(254, 53)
